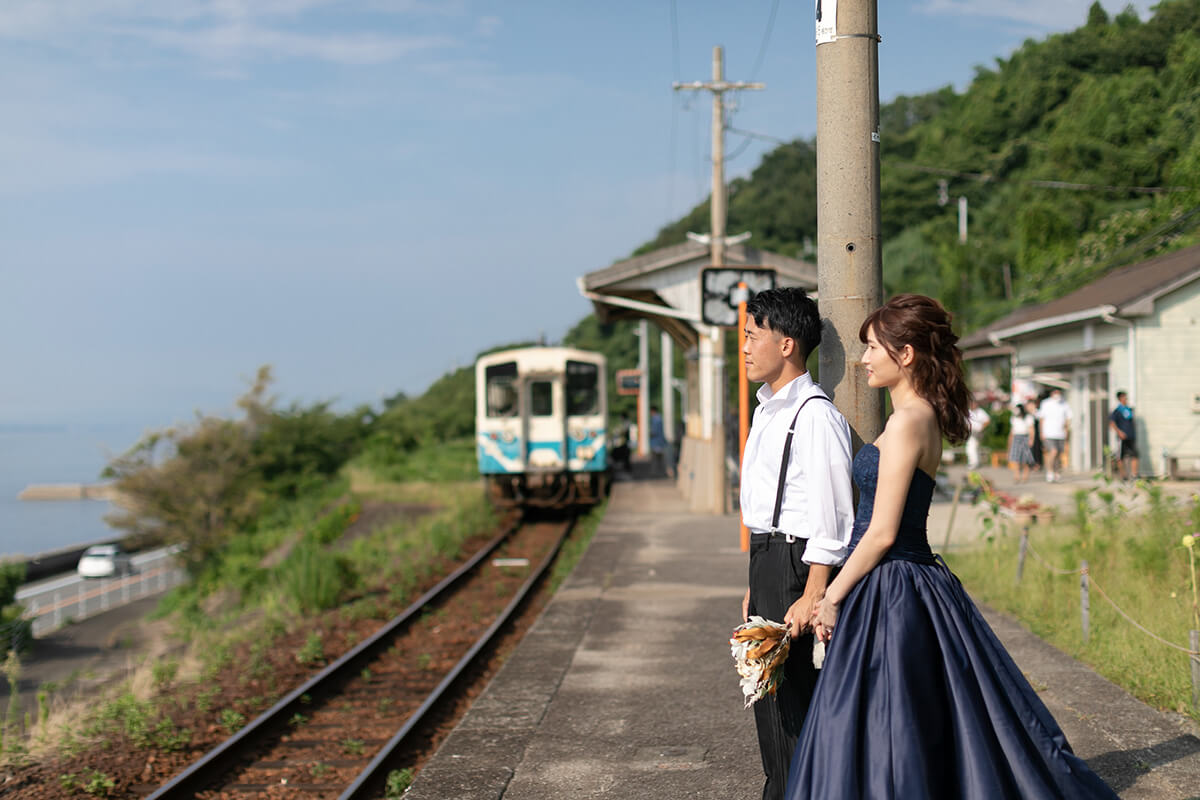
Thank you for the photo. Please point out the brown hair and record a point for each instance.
(936, 372)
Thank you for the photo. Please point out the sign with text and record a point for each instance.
(718, 291)
(629, 381)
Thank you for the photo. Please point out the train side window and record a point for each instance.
(583, 385)
(502, 389)
(541, 399)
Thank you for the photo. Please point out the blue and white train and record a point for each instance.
(540, 417)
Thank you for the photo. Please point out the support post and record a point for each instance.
(1194, 660)
(667, 351)
(743, 397)
(849, 263)
(643, 398)
(1084, 605)
(1021, 553)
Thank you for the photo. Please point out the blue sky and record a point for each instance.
(365, 193)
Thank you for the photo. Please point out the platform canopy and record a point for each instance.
(664, 285)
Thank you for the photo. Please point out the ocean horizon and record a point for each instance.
(49, 453)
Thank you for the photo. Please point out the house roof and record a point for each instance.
(664, 285)
(1128, 291)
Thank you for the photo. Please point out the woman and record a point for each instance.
(917, 697)
(1020, 434)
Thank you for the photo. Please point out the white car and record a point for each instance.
(104, 561)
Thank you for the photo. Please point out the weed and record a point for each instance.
(297, 720)
(231, 720)
(313, 651)
(365, 674)
(354, 747)
(424, 660)
(97, 784)
(205, 697)
(163, 673)
(170, 738)
(383, 704)
(398, 781)
(319, 770)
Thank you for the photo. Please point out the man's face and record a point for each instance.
(763, 352)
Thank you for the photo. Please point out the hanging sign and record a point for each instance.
(826, 21)
(719, 291)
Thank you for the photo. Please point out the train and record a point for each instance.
(541, 417)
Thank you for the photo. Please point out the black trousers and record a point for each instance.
(777, 578)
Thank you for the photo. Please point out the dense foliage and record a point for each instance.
(1076, 154)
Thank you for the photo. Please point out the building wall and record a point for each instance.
(1168, 365)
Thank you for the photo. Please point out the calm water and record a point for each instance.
(66, 454)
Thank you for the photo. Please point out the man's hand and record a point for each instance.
(799, 617)
(746, 606)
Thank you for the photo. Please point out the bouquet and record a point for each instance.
(759, 649)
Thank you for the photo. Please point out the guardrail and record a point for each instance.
(68, 598)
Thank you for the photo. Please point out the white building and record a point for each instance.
(1135, 329)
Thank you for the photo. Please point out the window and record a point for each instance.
(501, 380)
(583, 384)
(541, 399)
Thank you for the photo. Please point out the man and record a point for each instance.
(660, 448)
(1054, 419)
(800, 525)
(977, 420)
(1121, 422)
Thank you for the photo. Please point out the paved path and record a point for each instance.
(625, 687)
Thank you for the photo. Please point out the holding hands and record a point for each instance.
(824, 619)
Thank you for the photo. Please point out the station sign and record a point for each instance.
(629, 381)
(719, 295)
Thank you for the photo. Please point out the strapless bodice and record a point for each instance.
(912, 541)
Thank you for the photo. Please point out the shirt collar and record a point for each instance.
(790, 390)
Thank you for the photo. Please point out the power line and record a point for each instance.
(766, 40)
(985, 177)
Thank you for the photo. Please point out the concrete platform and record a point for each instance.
(625, 687)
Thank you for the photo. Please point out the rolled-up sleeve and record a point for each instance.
(825, 453)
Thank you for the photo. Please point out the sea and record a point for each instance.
(41, 454)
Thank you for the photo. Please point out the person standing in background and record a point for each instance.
(1121, 422)
(978, 420)
(1055, 417)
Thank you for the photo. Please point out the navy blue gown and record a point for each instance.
(918, 698)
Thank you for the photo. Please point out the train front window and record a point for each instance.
(583, 388)
(541, 399)
(502, 390)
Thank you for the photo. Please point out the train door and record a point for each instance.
(544, 423)
(585, 423)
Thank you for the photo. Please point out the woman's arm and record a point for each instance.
(898, 458)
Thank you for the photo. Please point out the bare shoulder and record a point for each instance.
(911, 422)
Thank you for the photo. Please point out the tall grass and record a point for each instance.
(1136, 559)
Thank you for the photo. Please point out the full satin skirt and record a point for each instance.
(918, 699)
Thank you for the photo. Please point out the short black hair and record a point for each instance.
(788, 311)
(1122, 393)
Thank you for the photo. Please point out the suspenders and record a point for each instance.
(787, 453)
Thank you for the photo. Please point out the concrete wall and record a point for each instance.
(1168, 364)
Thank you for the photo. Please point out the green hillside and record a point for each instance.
(1077, 153)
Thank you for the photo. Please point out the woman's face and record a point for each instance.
(882, 369)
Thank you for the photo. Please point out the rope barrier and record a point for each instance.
(1111, 602)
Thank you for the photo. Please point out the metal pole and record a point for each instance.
(1021, 554)
(849, 264)
(1084, 606)
(643, 399)
(667, 348)
(743, 396)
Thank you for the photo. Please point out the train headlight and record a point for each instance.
(586, 452)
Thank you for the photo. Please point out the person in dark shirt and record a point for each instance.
(1121, 422)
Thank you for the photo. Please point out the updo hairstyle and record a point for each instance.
(936, 372)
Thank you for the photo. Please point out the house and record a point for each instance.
(1136, 329)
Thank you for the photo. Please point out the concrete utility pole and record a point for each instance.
(643, 398)
(849, 264)
(712, 346)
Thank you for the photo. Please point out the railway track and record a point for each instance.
(342, 733)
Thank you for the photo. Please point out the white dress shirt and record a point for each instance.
(818, 503)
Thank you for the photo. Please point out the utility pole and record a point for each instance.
(712, 346)
(849, 263)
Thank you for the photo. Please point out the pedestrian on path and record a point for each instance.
(918, 698)
(978, 419)
(1121, 422)
(1054, 416)
(1020, 434)
(797, 502)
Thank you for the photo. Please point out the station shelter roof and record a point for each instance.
(664, 285)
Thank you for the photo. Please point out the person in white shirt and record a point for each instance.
(797, 501)
(978, 420)
(1054, 416)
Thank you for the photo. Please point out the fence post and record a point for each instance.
(1194, 660)
(1021, 552)
(1083, 597)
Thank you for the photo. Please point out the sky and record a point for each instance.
(364, 194)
